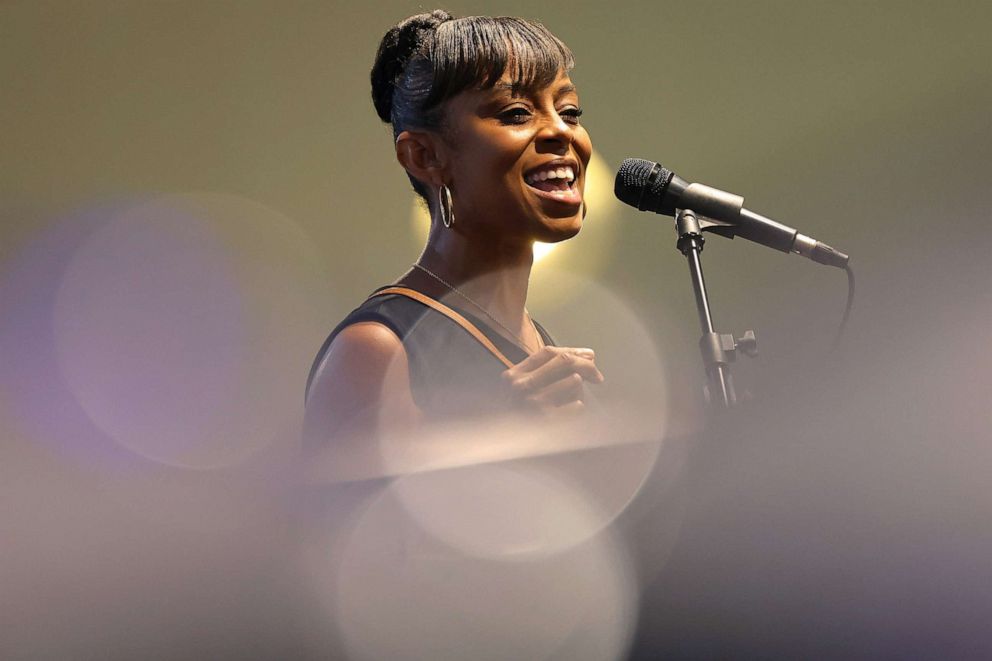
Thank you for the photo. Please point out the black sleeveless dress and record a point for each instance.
(451, 373)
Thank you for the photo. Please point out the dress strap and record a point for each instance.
(450, 314)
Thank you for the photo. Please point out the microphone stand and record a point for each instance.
(718, 350)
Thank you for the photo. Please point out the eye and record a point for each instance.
(571, 115)
(515, 116)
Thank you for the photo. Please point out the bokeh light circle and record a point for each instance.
(552, 483)
(183, 324)
(394, 591)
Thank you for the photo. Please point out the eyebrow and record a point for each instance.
(516, 88)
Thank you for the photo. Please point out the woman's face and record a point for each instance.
(518, 161)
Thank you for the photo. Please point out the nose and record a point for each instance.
(555, 134)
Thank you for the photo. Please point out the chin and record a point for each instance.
(559, 229)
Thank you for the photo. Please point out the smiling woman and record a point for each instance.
(486, 124)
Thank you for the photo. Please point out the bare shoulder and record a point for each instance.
(365, 344)
(363, 377)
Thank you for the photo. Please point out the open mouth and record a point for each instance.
(555, 181)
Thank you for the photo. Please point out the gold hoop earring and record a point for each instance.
(444, 206)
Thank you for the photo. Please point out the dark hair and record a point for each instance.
(427, 59)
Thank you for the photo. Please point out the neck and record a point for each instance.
(492, 273)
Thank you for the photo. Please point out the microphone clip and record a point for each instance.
(691, 226)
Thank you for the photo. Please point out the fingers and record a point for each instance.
(561, 397)
(561, 392)
(551, 364)
(552, 380)
(541, 357)
(535, 360)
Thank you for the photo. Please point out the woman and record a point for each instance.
(486, 124)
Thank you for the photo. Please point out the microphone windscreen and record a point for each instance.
(643, 184)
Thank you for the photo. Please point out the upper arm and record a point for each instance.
(361, 386)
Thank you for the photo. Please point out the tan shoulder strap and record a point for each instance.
(450, 314)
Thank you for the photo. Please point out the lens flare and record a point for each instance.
(182, 327)
(562, 480)
(393, 590)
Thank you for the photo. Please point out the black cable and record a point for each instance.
(847, 309)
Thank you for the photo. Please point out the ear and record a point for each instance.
(422, 155)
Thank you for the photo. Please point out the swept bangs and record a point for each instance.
(476, 51)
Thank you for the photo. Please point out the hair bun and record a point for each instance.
(398, 46)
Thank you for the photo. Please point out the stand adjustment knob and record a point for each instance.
(747, 344)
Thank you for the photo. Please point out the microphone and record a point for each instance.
(651, 187)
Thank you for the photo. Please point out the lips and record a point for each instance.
(555, 180)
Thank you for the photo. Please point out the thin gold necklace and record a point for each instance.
(451, 287)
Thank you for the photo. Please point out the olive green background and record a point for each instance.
(864, 124)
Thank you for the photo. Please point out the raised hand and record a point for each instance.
(553, 379)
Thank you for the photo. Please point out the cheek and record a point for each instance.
(485, 170)
(583, 146)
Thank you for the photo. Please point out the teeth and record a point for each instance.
(566, 173)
